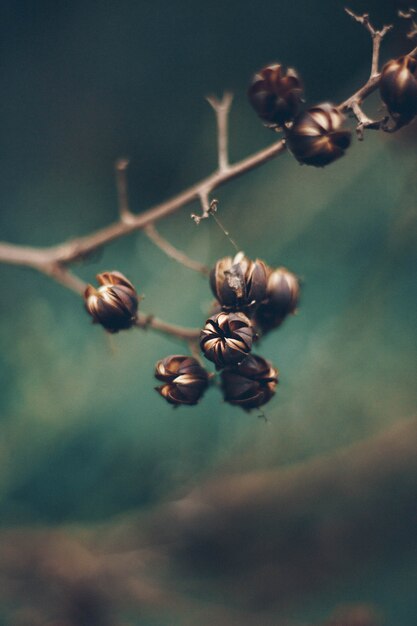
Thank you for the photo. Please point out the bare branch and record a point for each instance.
(53, 260)
(222, 110)
(173, 252)
(377, 37)
(364, 121)
(149, 321)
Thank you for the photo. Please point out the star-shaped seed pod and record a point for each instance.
(185, 380)
(283, 292)
(275, 94)
(227, 338)
(114, 304)
(317, 137)
(398, 88)
(239, 283)
(251, 383)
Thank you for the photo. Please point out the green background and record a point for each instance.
(83, 436)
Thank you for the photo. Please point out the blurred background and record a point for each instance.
(115, 508)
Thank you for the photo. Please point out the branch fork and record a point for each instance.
(53, 261)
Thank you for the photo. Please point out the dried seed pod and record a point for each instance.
(226, 338)
(316, 137)
(283, 292)
(114, 303)
(185, 380)
(238, 282)
(251, 383)
(398, 88)
(275, 94)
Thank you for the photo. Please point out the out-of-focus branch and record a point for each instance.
(241, 537)
(411, 15)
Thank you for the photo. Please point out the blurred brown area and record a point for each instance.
(246, 546)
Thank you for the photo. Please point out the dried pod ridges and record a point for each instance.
(114, 304)
(238, 283)
(317, 137)
(276, 94)
(251, 383)
(398, 88)
(185, 380)
(227, 338)
(283, 292)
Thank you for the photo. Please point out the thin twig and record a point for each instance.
(126, 216)
(377, 36)
(125, 213)
(355, 101)
(173, 252)
(222, 110)
(181, 332)
(364, 121)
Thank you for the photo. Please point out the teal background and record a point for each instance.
(84, 439)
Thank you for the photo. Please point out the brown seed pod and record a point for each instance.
(114, 303)
(226, 338)
(283, 292)
(398, 88)
(185, 380)
(316, 137)
(251, 383)
(275, 94)
(238, 283)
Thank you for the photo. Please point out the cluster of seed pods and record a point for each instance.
(251, 300)
(316, 136)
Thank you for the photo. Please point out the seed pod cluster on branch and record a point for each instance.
(317, 136)
(252, 299)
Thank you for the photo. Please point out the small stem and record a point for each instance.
(149, 321)
(222, 109)
(125, 213)
(205, 206)
(173, 252)
(377, 36)
(364, 120)
(195, 350)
